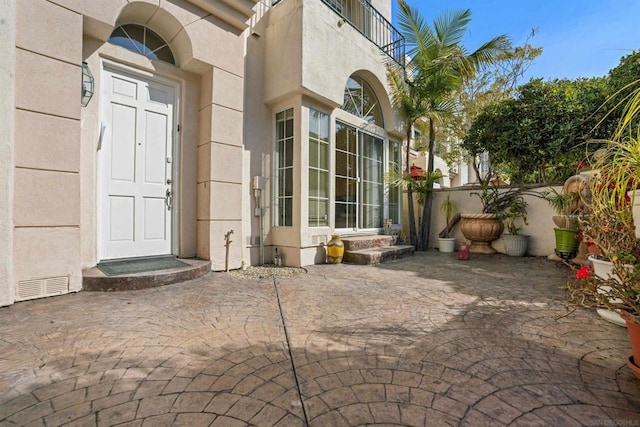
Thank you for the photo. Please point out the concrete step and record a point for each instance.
(372, 256)
(354, 243)
(93, 279)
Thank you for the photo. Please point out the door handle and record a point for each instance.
(168, 199)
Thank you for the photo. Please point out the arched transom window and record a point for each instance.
(360, 100)
(142, 40)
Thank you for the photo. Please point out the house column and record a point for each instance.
(46, 197)
(220, 151)
(7, 120)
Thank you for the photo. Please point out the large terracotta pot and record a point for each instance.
(481, 230)
(633, 329)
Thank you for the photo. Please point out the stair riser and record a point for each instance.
(378, 257)
(369, 243)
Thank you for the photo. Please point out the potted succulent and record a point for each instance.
(610, 225)
(515, 218)
(447, 243)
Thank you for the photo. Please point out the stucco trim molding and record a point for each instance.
(234, 12)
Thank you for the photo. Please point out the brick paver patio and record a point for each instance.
(423, 341)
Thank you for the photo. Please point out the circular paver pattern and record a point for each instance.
(422, 341)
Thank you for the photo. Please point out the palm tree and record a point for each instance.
(438, 67)
(408, 101)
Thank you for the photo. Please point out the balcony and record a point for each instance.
(362, 16)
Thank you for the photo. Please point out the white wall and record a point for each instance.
(539, 213)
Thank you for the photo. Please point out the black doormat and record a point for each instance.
(139, 265)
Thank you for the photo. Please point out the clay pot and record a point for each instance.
(481, 230)
(633, 329)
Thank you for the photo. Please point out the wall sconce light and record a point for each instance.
(87, 85)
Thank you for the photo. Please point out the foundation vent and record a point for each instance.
(38, 288)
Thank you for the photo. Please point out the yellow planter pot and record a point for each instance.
(335, 249)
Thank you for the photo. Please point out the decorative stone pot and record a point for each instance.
(335, 249)
(515, 244)
(481, 230)
(566, 221)
(446, 244)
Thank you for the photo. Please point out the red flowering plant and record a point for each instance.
(583, 272)
(609, 221)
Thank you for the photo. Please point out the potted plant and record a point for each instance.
(514, 218)
(566, 219)
(566, 207)
(447, 243)
(610, 225)
(482, 229)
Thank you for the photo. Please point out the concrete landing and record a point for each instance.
(93, 279)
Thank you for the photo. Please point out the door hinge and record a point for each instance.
(178, 128)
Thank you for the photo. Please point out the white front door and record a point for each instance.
(136, 162)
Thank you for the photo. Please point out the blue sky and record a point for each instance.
(580, 38)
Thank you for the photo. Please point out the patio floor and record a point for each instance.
(422, 341)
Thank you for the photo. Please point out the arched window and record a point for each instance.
(142, 40)
(360, 100)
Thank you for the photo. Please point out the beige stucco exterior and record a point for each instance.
(7, 150)
(237, 64)
(49, 157)
(301, 55)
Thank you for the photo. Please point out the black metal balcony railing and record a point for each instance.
(365, 18)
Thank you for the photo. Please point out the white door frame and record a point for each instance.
(359, 172)
(104, 132)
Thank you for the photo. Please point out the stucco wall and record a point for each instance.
(7, 116)
(210, 58)
(539, 213)
(47, 144)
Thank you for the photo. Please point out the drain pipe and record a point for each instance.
(227, 238)
(258, 186)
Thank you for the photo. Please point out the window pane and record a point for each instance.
(342, 166)
(313, 183)
(142, 40)
(323, 156)
(342, 192)
(314, 161)
(323, 210)
(288, 149)
(283, 165)
(313, 214)
(342, 141)
(323, 128)
(361, 100)
(323, 184)
(288, 212)
(288, 179)
(288, 129)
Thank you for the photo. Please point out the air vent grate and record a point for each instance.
(38, 288)
(29, 289)
(56, 285)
